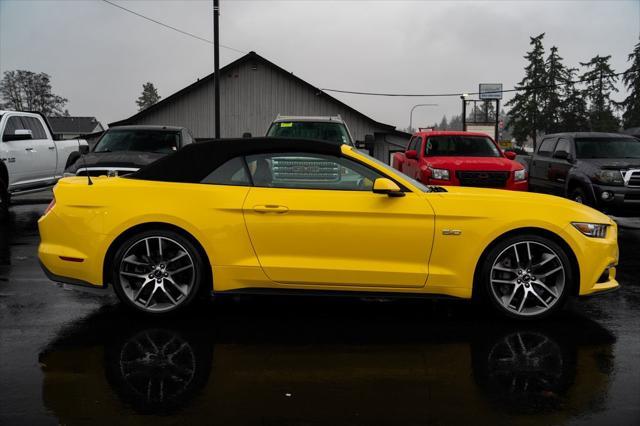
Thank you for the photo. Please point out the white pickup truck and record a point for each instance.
(30, 157)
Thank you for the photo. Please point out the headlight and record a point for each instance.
(519, 175)
(594, 230)
(611, 177)
(440, 174)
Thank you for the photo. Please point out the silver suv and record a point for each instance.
(331, 128)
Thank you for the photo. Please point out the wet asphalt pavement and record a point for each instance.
(68, 357)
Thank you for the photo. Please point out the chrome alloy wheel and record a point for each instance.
(527, 278)
(157, 273)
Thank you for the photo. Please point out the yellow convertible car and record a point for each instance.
(294, 216)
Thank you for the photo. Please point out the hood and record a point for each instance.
(474, 163)
(613, 163)
(133, 159)
(513, 203)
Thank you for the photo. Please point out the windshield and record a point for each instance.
(392, 171)
(333, 132)
(159, 141)
(607, 148)
(461, 146)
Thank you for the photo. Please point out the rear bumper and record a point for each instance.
(70, 251)
(68, 280)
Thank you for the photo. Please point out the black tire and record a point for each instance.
(508, 284)
(182, 295)
(579, 195)
(5, 196)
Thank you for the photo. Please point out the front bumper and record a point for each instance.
(510, 185)
(597, 260)
(622, 196)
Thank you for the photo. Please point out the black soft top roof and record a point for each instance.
(194, 162)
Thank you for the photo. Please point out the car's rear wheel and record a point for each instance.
(157, 272)
(527, 276)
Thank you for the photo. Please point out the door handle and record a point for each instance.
(28, 149)
(52, 147)
(270, 208)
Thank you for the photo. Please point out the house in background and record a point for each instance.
(74, 127)
(253, 91)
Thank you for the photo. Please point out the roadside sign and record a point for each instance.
(490, 90)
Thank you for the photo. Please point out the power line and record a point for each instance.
(442, 95)
(170, 27)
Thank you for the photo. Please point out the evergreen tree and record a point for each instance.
(444, 124)
(631, 79)
(148, 97)
(551, 98)
(573, 115)
(455, 123)
(599, 85)
(525, 113)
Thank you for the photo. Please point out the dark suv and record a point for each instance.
(125, 149)
(598, 169)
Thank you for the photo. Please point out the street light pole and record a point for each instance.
(216, 69)
(411, 113)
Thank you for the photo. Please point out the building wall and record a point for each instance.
(252, 95)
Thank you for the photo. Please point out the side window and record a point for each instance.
(35, 126)
(412, 144)
(13, 123)
(418, 145)
(310, 171)
(563, 146)
(233, 172)
(546, 147)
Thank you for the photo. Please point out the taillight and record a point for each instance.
(50, 206)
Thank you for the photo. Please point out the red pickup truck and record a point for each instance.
(460, 158)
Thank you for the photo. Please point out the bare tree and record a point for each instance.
(23, 90)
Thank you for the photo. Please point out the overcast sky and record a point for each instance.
(99, 56)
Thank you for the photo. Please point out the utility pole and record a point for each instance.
(216, 68)
(411, 113)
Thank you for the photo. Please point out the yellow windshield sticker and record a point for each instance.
(286, 124)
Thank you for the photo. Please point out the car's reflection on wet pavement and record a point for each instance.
(71, 358)
(318, 362)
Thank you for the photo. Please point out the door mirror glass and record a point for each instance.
(563, 155)
(510, 155)
(412, 154)
(388, 187)
(19, 135)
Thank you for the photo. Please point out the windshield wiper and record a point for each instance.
(103, 150)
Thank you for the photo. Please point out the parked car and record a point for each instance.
(598, 169)
(31, 158)
(460, 158)
(329, 128)
(125, 149)
(214, 217)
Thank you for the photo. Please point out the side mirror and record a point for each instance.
(411, 154)
(388, 187)
(18, 135)
(563, 155)
(510, 155)
(246, 135)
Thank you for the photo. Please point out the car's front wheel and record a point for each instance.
(157, 272)
(526, 276)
